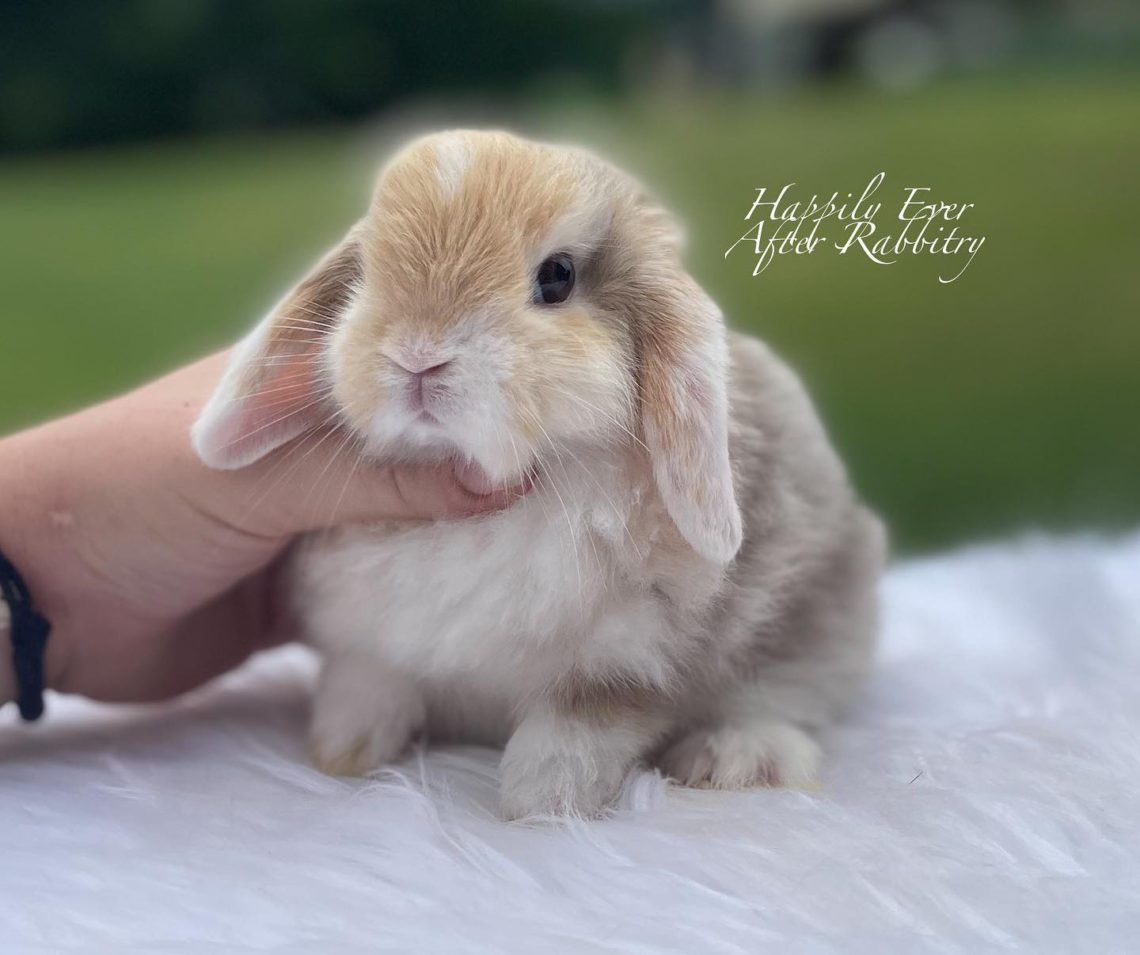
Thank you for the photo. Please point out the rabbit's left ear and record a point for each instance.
(684, 410)
(272, 390)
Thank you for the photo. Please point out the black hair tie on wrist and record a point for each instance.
(29, 631)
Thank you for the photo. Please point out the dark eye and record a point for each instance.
(555, 280)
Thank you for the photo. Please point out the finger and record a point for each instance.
(474, 478)
(324, 489)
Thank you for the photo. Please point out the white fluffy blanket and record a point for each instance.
(983, 796)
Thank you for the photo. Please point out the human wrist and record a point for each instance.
(27, 483)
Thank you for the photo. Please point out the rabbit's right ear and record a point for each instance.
(274, 387)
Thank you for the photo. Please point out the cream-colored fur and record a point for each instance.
(691, 579)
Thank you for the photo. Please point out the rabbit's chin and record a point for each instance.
(477, 475)
(485, 458)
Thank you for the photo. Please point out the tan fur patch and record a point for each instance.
(605, 700)
(434, 254)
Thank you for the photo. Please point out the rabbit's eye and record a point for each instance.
(555, 280)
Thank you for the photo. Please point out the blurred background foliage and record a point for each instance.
(168, 167)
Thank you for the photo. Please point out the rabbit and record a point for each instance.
(691, 580)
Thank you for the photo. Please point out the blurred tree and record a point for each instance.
(84, 71)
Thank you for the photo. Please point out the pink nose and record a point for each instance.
(419, 370)
(421, 379)
(426, 374)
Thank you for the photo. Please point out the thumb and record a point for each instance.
(322, 491)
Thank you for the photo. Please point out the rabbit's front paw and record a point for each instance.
(559, 785)
(363, 718)
(751, 753)
(559, 766)
(348, 751)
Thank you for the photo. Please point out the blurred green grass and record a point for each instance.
(1007, 399)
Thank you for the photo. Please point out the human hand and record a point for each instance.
(156, 571)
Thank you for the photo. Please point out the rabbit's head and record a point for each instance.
(502, 300)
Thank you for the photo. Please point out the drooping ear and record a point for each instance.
(684, 412)
(273, 388)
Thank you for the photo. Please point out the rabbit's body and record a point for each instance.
(585, 580)
(691, 578)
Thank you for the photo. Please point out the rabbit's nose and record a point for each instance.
(431, 371)
(425, 367)
(422, 380)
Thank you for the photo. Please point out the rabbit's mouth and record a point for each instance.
(483, 459)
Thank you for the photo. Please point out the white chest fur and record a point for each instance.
(501, 606)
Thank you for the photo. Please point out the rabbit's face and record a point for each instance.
(480, 324)
(501, 298)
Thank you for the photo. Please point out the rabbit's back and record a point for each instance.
(800, 603)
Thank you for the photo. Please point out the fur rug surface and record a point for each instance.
(983, 796)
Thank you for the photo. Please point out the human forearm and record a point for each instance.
(41, 470)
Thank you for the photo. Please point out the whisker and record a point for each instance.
(327, 390)
(296, 463)
(269, 424)
(601, 411)
(597, 484)
(593, 481)
(337, 451)
(566, 513)
(357, 460)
